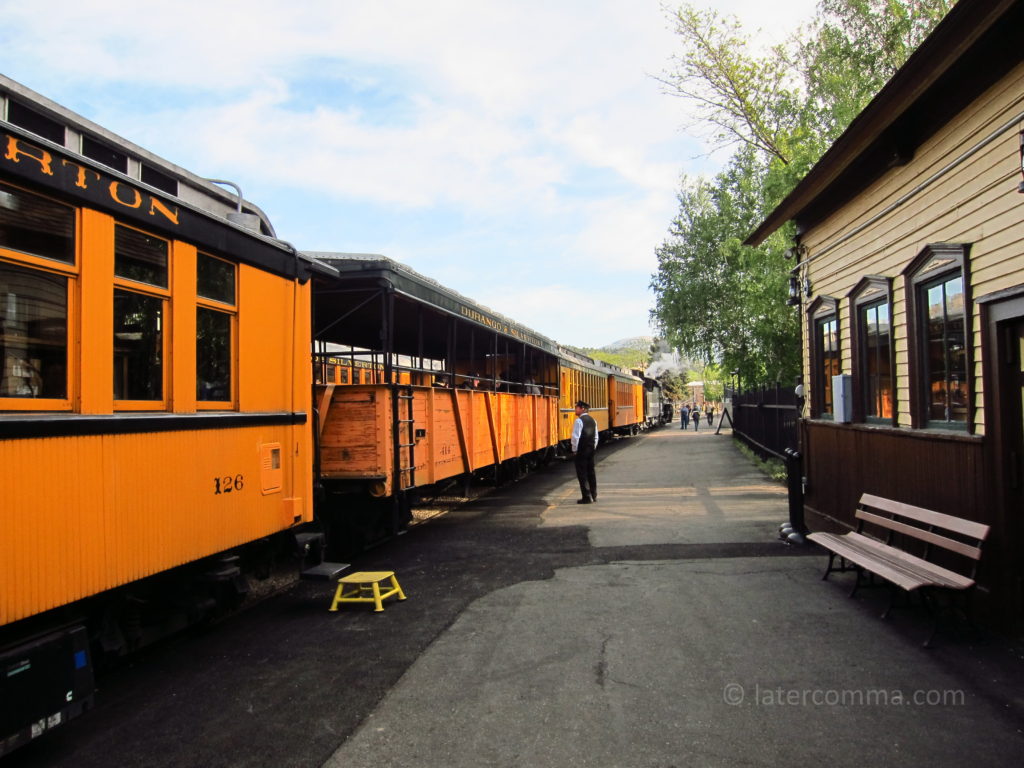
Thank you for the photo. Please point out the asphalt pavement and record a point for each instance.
(665, 625)
(725, 649)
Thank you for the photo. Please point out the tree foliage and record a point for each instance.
(716, 299)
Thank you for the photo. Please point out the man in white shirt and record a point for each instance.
(584, 443)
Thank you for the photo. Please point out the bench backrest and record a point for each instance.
(929, 519)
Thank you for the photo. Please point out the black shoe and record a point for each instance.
(584, 501)
(594, 498)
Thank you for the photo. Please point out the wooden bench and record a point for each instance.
(905, 524)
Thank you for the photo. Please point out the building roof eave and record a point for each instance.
(977, 42)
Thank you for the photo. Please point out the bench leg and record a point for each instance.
(892, 600)
(965, 609)
(858, 580)
(927, 601)
(831, 559)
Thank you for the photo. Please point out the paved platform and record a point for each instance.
(664, 626)
(704, 656)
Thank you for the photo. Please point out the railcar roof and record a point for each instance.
(572, 355)
(204, 206)
(375, 267)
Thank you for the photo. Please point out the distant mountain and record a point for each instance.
(640, 343)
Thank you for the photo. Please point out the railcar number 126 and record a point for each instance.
(227, 484)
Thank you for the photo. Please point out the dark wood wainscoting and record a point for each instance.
(930, 469)
(927, 468)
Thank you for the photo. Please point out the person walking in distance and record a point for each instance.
(696, 417)
(684, 416)
(584, 443)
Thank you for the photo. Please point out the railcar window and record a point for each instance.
(215, 322)
(215, 279)
(140, 257)
(159, 180)
(138, 346)
(213, 355)
(30, 120)
(33, 333)
(35, 225)
(101, 153)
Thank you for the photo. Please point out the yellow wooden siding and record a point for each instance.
(975, 203)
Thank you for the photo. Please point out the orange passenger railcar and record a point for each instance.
(155, 396)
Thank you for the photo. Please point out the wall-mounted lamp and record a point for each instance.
(794, 291)
(1020, 187)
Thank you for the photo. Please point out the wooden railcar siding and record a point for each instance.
(357, 443)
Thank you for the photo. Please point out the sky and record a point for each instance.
(520, 152)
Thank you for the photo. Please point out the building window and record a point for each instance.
(140, 311)
(938, 286)
(215, 323)
(825, 354)
(871, 315)
(876, 365)
(945, 357)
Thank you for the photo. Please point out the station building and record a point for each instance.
(909, 278)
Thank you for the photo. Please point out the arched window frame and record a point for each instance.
(822, 310)
(935, 263)
(872, 291)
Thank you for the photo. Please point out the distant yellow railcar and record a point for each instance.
(615, 397)
(580, 378)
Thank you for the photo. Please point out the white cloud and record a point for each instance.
(527, 131)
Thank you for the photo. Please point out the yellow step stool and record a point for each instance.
(365, 588)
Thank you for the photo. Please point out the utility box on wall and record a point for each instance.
(842, 398)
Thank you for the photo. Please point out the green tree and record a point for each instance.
(716, 299)
(714, 383)
(673, 386)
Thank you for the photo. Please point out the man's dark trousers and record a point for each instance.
(585, 473)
